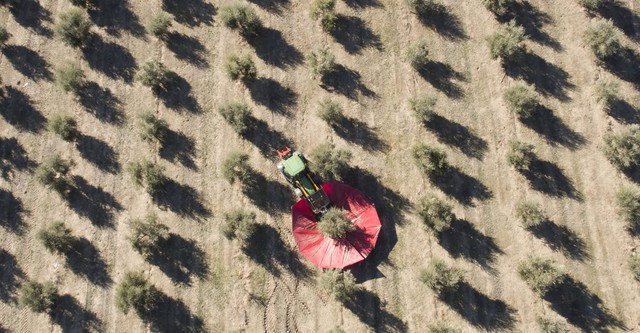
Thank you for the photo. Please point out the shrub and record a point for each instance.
(147, 236)
(53, 173)
(329, 162)
(325, 11)
(238, 115)
(506, 42)
(70, 78)
(136, 292)
(418, 55)
(423, 107)
(64, 126)
(239, 224)
(340, 284)
(547, 325)
(593, 5)
(498, 7)
(432, 161)
(540, 274)
(423, 7)
(241, 17)
(331, 112)
(154, 74)
(335, 224)
(607, 92)
(529, 214)
(73, 28)
(440, 277)
(57, 238)
(147, 174)
(159, 25)
(38, 297)
(634, 265)
(241, 68)
(521, 155)
(522, 100)
(4, 35)
(152, 128)
(603, 38)
(441, 327)
(236, 167)
(622, 148)
(628, 202)
(436, 214)
(322, 62)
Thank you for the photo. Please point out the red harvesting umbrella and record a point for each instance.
(325, 252)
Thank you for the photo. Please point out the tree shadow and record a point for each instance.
(179, 147)
(273, 49)
(13, 157)
(346, 82)
(190, 12)
(31, 14)
(181, 260)
(454, 134)
(71, 316)
(532, 20)
(178, 96)
(361, 4)
(553, 129)
(110, 59)
(181, 199)
(11, 212)
(114, 16)
(266, 248)
(187, 48)
(549, 79)
(581, 308)
(354, 35)
(549, 179)
(85, 260)
(10, 275)
(17, 109)
(358, 132)
(623, 18)
(28, 62)
(274, 6)
(266, 139)
(478, 309)
(102, 103)
(270, 196)
(624, 112)
(270, 93)
(98, 153)
(444, 23)
(462, 187)
(371, 311)
(560, 238)
(441, 76)
(462, 239)
(625, 65)
(93, 203)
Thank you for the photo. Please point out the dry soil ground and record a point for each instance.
(210, 284)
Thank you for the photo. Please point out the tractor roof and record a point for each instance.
(294, 165)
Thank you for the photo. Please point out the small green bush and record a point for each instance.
(506, 43)
(136, 292)
(239, 224)
(147, 236)
(522, 100)
(159, 25)
(436, 214)
(147, 174)
(154, 74)
(70, 78)
(440, 277)
(57, 238)
(238, 115)
(329, 162)
(547, 325)
(241, 17)
(529, 214)
(4, 35)
(64, 126)
(325, 11)
(634, 265)
(498, 7)
(628, 202)
(340, 284)
(241, 68)
(322, 62)
(236, 167)
(335, 224)
(622, 148)
(53, 173)
(331, 112)
(418, 55)
(424, 107)
(73, 28)
(432, 161)
(152, 129)
(38, 297)
(540, 274)
(607, 92)
(441, 327)
(521, 155)
(423, 8)
(603, 38)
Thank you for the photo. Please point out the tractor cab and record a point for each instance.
(294, 167)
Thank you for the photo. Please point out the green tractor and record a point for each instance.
(294, 168)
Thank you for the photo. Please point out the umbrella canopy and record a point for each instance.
(326, 252)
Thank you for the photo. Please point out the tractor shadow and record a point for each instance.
(581, 308)
(30, 14)
(188, 49)
(274, 96)
(98, 153)
(93, 203)
(462, 239)
(266, 139)
(181, 199)
(560, 238)
(178, 96)
(443, 77)
(11, 213)
(462, 187)
(85, 261)
(371, 311)
(623, 18)
(10, 275)
(478, 309)
(547, 78)
(446, 24)
(115, 16)
(454, 134)
(172, 316)
(548, 178)
(192, 13)
(13, 157)
(346, 82)
(102, 103)
(273, 49)
(359, 133)
(28, 62)
(181, 260)
(625, 65)
(110, 59)
(17, 109)
(270, 196)
(274, 6)
(532, 20)
(71, 316)
(624, 112)
(553, 129)
(177, 147)
(354, 35)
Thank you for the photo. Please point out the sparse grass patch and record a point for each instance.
(329, 162)
(147, 236)
(436, 214)
(540, 274)
(57, 238)
(241, 17)
(238, 116)
(340, 284)
(73, 28)
(622, 148)
(322, 62)
(241, 68)
(38, 297)
(506, 43)
(136, 292)
(603, 38)
(159, 25)
(147, 174)
(154, 74)
(70, 78)
(331, 112)
(628, 202)
(64, 126)
(423, 107)
(239, 224)
(521, 155)
(324, 10)
(522, 100)
(440, 277)
(418, 55)
(54, 174)
(335, 224)
(530, 214)
(432, 161)
(152, 129)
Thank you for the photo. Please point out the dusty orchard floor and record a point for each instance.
(208, 283)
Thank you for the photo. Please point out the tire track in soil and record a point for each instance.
(265, 314)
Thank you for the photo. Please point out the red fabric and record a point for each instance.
(330, 253)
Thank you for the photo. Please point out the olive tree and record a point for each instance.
(506, 43)
(498, 7)
(418, 55)
(340, 284)
(440, 277)
(521, 155)
(436, 214)
(38, 297)
(540, 274)
(73, 28)
(154, 74)
(324, 10)
(241, 17)
(329, 162)
(152, 128)
(331, 112)
(70, 78)
(238, 116)
(136, 292)
(148, 175)
(241, 68)
(622, 147)
(530, 214)
(432, 161)
(236, 168)
(335, 224)
(603, 38)
(64, 126)
(522, 100)
(54, 174)
(239, 224)
(607, 92)
(159, 25)
(322, 62)
(57, 238)
(628, 204)
(147, 236)
(423, 107)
